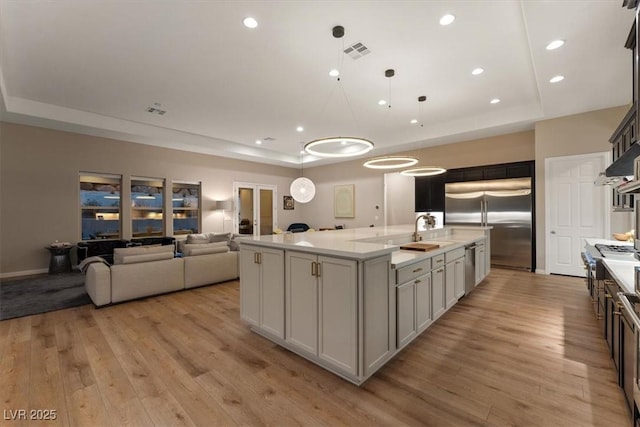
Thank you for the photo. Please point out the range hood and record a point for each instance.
(623, 166)
(603, 179)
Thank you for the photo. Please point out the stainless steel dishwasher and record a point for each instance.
(469, 268)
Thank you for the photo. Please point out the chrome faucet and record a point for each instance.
(431, 222)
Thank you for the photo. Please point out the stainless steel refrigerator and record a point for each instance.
(504, 204)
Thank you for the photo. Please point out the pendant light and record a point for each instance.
(302, 189)
(339, 146)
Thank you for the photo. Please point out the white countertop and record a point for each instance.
(370, 242)
(593, 242)
(623, 272)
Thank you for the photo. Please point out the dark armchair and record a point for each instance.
(101, 247)
(298, 227)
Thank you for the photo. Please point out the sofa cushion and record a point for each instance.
(120, 253)
(189, 248)
(208, 269)
(220, 237)
(132, 259)
(206, 251)
(195, 239)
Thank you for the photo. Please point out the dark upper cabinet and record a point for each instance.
(429, 193)
(494, 173)
(499, 171)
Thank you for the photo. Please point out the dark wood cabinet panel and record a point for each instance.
(494, 173)
(429, 193)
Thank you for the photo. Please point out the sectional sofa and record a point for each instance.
(143, 271)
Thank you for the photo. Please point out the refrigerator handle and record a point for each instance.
(482, 212)
(486, 213)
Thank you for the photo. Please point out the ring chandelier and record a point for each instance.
(390, 162)
(339, 146)
(424, 171)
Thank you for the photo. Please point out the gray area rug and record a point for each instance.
(39, 294)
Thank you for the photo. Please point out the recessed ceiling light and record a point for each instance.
(299, 128)
(258, 142)
(447, 19)
(477, 71)
(250, 22)
(413, 121)
(495, 100)
(555, 44)
(334, 73)
(382, 102)
(556, 79)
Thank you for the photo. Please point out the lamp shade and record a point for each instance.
(302, 190)
(224, 205)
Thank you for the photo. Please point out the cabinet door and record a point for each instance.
(459, 285)
(272, 291)
(423, 301)
(437, 292)
(406, 312)
(379, 319)
(450, 285)
(338, 312)
(249, 285)
(627, 356)
(302, 302)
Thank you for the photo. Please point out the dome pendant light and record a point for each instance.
(339, 146)
(302, 189)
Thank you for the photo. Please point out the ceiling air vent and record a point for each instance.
(154, 110)
(357, 50)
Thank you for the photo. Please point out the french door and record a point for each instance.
(254, 208)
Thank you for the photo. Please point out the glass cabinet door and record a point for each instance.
(99, 206)
(185, 203)
(147, 207)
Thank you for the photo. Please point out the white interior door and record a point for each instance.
(254, 209)
(575, 209)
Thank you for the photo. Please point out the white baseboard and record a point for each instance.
(538, 271)
(23, 273)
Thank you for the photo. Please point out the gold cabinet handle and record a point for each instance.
(438, 260)
(314, 267)
(417, 281)
(318, 269)
(607, 296)
(440, 270)
(417, 270)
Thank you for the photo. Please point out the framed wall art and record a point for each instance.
(343, 201)
(288, 203)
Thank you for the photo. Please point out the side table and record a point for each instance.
(60, 260)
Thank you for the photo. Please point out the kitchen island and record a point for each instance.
(349, 300)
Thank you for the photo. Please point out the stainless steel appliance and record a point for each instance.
(504, 204)
(469, 268)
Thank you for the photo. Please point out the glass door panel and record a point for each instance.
(245, 210)
(266, 211)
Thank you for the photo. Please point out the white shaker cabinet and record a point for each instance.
(321, 308)
(438, 290)
(454, 276)
(262, 291)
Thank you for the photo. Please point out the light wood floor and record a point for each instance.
(523, 349)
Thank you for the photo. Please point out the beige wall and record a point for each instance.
(39, 192)
(39, 178)
(572, 135)
(370, 184)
